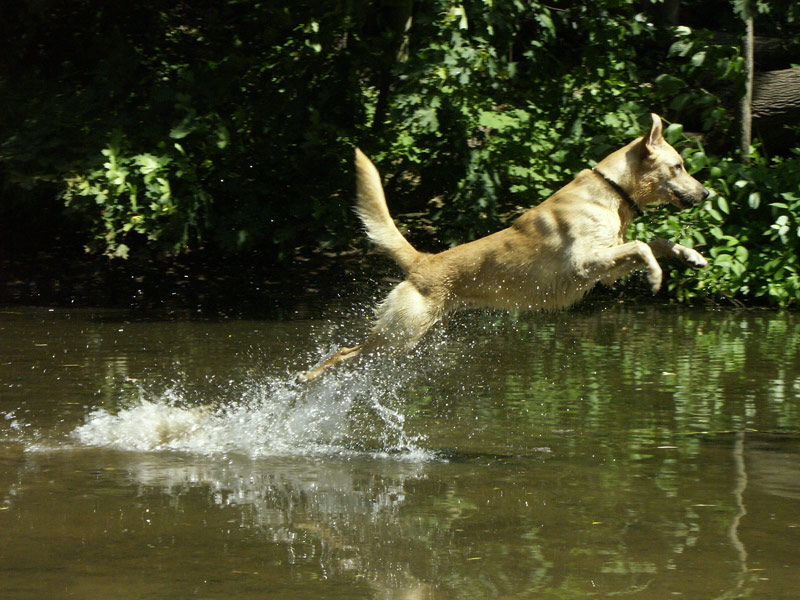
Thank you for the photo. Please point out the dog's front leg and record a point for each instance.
(609, 264)
(662, 247)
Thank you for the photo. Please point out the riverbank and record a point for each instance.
(250, 285)
(201, 283)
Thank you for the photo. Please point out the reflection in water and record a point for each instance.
(741, 510)
(650, 453)
(301, 518)
(477, 527)
(321, 515)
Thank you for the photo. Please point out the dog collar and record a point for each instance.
(617, 188)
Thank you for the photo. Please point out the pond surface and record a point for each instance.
(644, 452)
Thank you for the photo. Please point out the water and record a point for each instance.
(650, 452)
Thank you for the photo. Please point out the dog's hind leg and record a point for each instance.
(401, 320)
(343, 353)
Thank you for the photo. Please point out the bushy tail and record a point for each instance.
(371, 209)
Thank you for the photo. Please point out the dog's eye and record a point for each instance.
(677, 168)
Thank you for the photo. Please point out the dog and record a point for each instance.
(549, 258)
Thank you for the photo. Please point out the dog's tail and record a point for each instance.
(371, 209)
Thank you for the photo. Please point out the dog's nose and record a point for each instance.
(706, 193)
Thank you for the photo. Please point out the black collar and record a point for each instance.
(617, 188)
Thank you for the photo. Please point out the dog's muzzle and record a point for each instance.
(686, 200)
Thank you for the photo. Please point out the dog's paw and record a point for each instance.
(694, 258)
(654, 279)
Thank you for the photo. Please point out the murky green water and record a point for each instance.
(649, 453)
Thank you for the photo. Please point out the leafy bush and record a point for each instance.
(493, 116)
(749, 228)
(703, 71)
(261, 99)
(137, 194)
(231, 126)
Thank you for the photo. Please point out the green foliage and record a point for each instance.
(135, 195)
(702, 68)
(749, 228)
(480, 112)
(260, 99)
(229, 126)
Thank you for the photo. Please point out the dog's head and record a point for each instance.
(661, 175)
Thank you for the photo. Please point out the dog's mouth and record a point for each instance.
(687, 200)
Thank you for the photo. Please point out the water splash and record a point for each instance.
(15, 430)
(351, 412)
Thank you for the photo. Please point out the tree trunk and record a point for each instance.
(776, 104)
(747, 99)
(399, 17)
(769, 53)
(776, 95)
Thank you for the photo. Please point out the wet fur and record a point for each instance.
(547, 259)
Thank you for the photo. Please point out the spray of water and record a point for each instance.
(357, 411)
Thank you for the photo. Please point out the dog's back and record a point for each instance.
(532, 265)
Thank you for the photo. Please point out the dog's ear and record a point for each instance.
(653, 139)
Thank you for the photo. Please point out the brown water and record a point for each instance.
(643, 452)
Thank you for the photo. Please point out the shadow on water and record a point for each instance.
(648, 452)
